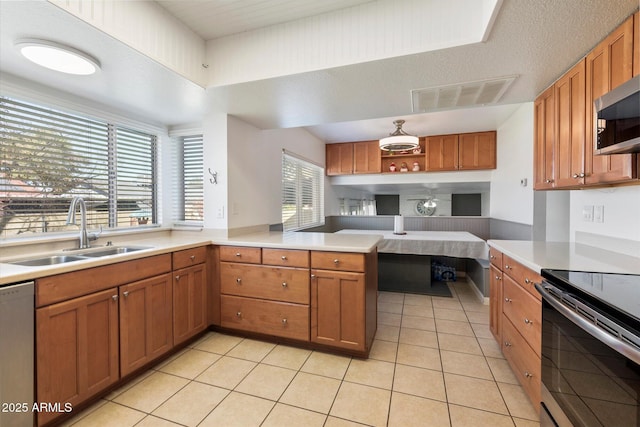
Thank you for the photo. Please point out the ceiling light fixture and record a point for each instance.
(58, 57)
(399, 140)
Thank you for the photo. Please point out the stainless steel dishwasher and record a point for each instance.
(16, 354)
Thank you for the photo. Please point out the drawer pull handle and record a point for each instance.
(507, 300)
(192, 257)
(528, 374)
(528, 322)
(238, 254)
(284, 284)
(507, 344)
(239, 314)
(283, 257)
(284, 321)
(125, 293)
(238, 280)
(114, 297)
(336, 261)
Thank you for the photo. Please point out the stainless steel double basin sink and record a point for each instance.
(78, 255)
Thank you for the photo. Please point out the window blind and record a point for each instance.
(47, 157)
(191, 178)
(302, 193)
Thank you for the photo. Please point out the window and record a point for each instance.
(302, 193)
(190, 179)
(47, 157)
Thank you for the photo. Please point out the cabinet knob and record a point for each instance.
(548, 181)
(238, 280)
(192, 257)
(178, 278)
(284, 284)
(313, 276)
(497, 277)
(284, 321)
(528, 322)
(526, 280)
(114, 297)
(238, 254)
(578, 175)
(125, 293)
(528, 374)
(507, 300)
(507, 267)
(283, 257)
(492, 257)
(507, 344)
(336, 261)
(239, 314)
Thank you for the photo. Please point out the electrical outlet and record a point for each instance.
(587, 213)
(523, 182)
(220, 214)
(598, 213)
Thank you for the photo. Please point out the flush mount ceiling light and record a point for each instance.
(58, 57)
(399, 140)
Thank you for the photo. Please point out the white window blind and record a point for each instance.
(302, 193)
(47, 157)
(190, 182)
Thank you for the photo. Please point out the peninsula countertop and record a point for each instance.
(169, 241)
(537, 255)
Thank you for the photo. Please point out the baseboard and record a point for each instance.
(484, 300)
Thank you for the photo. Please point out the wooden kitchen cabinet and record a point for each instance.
(366, 157)
(544, 140)
(495, 302)
(466, 151)
(609, 65)
(339, 159)
(189, 302)
(636, 44)
(146, 321)
(77, 349)
(441, 153)
(570, 107)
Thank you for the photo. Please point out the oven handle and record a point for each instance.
(611, 340)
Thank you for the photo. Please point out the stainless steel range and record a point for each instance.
(590, 349)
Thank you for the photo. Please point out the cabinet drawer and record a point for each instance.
(266, 317)
(240, 254)
(524, 276)
(261, 281)
(524, 311)
(189, 257)
(337, 261)
(285, 257)
(495, 256)
(524, 362)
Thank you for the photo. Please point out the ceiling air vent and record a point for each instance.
(460, 95)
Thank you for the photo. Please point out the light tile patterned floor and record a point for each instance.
(433, 363)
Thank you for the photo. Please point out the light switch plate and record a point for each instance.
(598, 213)
(587, 213)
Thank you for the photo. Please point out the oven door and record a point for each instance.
(587, 379)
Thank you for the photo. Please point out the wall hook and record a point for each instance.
(214, 177)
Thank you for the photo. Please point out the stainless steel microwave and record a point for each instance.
(617, 124)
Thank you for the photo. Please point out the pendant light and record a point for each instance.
(399, 140)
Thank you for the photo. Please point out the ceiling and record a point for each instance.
(535, 40)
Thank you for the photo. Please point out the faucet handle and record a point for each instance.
(94, 236)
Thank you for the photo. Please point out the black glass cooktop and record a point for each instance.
(620, 292)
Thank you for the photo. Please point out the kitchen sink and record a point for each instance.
(61, 259)
(114, 250)
(50, 260)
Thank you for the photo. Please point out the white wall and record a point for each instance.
(214, 130)
(509, 200)
(621, 212)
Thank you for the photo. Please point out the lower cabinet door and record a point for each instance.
(495, 302)
(189, 302)
(77, 349)
(338, 309)
(281, 319)
(146, 321)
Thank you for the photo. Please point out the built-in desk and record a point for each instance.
(404, 260)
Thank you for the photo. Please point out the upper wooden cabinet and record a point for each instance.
(339, 159)
(609, 65)
(544, 140)
(366, 157)
(564, 118)
(636, 46)
(467, 151)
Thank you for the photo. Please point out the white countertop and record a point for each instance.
(459, 244)
(567, 256)
(175, 241)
